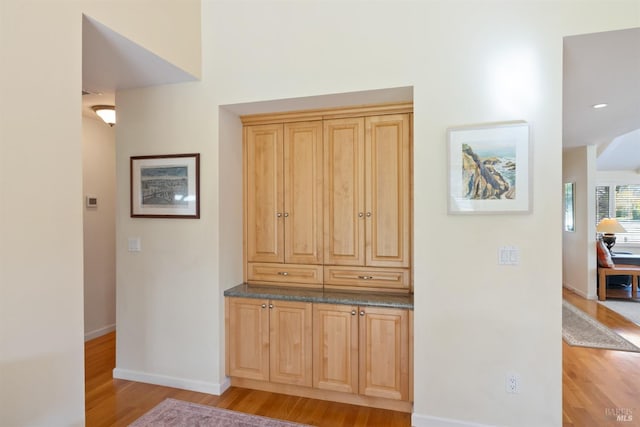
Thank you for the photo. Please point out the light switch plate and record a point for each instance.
(134, 244)
(508, 255)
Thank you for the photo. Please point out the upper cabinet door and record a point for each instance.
(303, 192)
(344, 191)
(388, 179)
(263, 192)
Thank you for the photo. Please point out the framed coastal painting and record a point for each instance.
(489, 169)
(165, 186)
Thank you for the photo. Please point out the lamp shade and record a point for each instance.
(610, 225)
(106, 112)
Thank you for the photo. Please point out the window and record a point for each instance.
(602, 203)
(623, 203)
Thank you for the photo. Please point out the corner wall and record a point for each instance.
(41, 197)
(578, 247)
(99, 227)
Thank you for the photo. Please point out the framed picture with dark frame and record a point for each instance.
(489, 169)
(165, 186)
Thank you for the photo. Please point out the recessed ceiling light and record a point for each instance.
(596, 106)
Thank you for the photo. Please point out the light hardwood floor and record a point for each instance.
(596, 384)
(112, 402)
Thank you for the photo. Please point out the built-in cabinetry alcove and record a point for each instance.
(326, 307)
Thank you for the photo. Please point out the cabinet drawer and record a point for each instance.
(363, 278)
(284, 274)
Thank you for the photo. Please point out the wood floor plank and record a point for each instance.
(598, 384)
(110, 402)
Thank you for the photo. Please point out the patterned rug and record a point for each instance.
(579, 329)
(176, 413)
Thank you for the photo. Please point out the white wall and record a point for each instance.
(471, 326)
(578, 247)
(468, 62)
(41, 197)
(99, 227)
(41, 326)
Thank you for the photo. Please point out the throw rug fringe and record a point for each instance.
(177, 413)
(580, 329)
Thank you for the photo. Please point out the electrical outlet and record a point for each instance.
(512, 383)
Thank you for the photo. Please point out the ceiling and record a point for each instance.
(598, 68)
(111, 62)
(603, 68)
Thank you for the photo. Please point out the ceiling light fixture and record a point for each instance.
(597, 106)
(106, 112)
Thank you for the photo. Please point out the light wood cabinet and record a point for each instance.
(327, 204)
(384, 352)
(264, 193)
(361, 350)
(296, 274)
(332, 191)
(367, 196)
(290, 343)
(380, 279)
(344, 197)
(388, 190)
(335, 338)
(247, 338)
(303, 192)
(269, 340)
(283, 193)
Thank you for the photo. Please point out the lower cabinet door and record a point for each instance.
(334, 347)
(335, 356)
(248, 338)
(290, 344)
(384, 352)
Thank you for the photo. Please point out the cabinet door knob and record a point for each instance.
(286, 214)
(264, 305)
(270, 305)
(353, 312)
(362, 313)
(278, 214)
(360, 214)
(283, 273)
(368, 214)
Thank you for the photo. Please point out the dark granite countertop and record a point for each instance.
(321, 296)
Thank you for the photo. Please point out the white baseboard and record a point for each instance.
(164, 380)
(99, 332)
(418, 420)
(579, 292)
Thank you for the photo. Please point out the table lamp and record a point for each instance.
(608, 227)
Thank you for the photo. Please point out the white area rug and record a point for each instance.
(629, 309)
(177, 413)
(580, 329)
